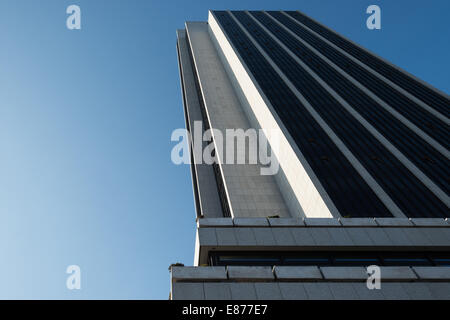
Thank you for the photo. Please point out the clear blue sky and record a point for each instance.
(85, 124)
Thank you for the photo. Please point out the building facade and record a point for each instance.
(362, 157)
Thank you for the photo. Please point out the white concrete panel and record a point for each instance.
(250, 273)
(187, 291)
(433, 273)
(217, 291)
(297, 273)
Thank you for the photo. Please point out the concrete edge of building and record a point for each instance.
(286, 273)
(250, 222)
(430, 222)
(358, 222)
(435, 273)
(306, 273)
(214, 222)
(310, 291)
(323, 222)
(286, 222)
(188, 273)
(394, 222)
(255, 273)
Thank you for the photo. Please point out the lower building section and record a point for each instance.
(312, 258)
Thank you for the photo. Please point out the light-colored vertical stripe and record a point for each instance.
(426, 107)
(384, 197)
(400, 156)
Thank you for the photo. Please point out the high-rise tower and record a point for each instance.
(363, 178)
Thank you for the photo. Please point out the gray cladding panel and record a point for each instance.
(206, 181)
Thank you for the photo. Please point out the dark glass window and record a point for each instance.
(355, 260)
(307, 259)
(406, 259)
(440, 259)
(329, 258)
(248, 261)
